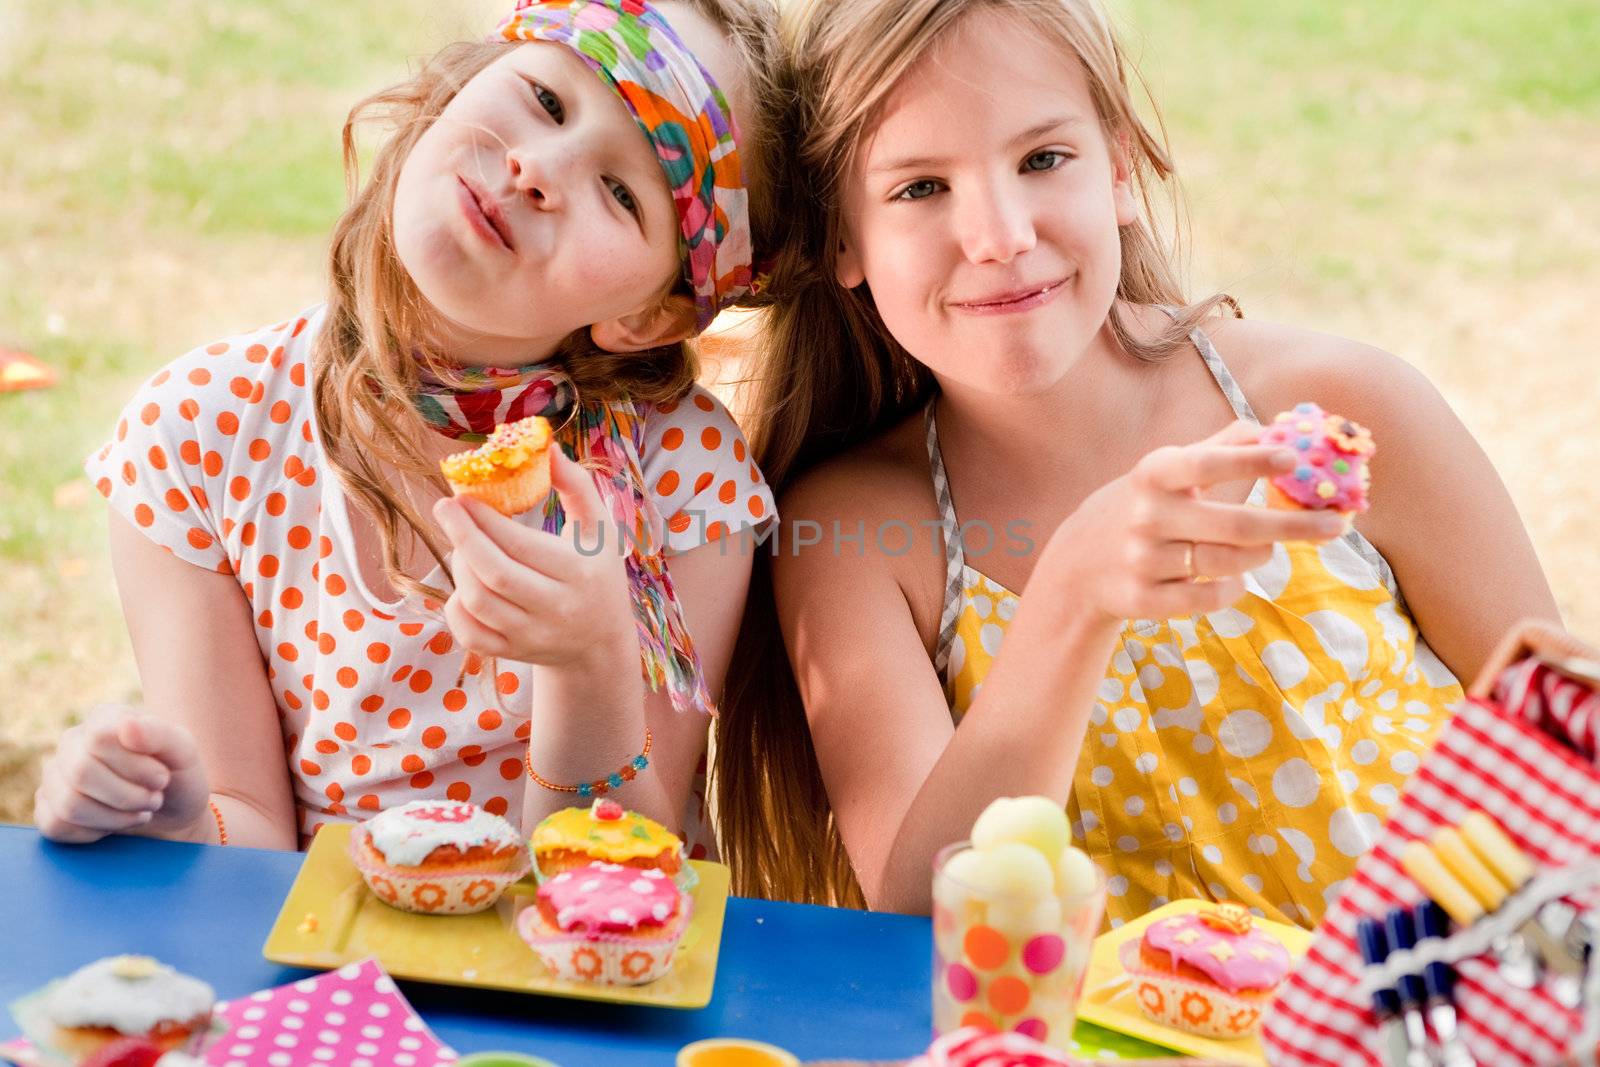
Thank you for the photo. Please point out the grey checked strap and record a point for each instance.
(1224, 377)
(954, 560)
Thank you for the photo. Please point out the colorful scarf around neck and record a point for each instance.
(607, 435)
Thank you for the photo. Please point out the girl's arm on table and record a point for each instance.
(210, 733)
(902, 780)
(588, 719)
(563, 604)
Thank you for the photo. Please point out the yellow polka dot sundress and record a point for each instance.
(1247, 754)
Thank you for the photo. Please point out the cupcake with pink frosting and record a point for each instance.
(1210, 972)
(607, 923)
(1331, 456)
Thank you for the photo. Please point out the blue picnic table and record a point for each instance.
(825, 983)
(822, 982)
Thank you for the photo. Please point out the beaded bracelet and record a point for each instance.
(222, 830)
(600, 786)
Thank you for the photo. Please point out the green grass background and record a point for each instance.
(1422, 176)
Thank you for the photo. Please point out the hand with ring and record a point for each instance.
(1149, 545)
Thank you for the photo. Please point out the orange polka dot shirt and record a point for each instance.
(216, 459)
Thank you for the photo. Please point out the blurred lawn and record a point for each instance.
(1422, 176)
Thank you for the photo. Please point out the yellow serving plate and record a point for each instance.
(330, 918)
(1108, 995)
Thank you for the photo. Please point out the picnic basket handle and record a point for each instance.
(1545, 641)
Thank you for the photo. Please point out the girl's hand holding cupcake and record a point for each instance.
(536, 597)
(1148, 545)
(120, 771)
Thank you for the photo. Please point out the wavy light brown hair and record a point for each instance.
(365, 363)
(833, 375)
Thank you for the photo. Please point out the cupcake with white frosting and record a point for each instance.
(122, 997)
(438, 857)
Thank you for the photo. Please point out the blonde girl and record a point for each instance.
(986, 345)
(321, 629)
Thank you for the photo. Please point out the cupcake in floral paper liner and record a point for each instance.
(438, 857)
(510, 471)
(1209, 973)
(609, 833)
(1331, 456)
(117, 1000)
(607, 923)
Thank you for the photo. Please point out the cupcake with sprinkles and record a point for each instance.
(438, 857)
(605, 832)
(1210, 972)
(510, 471)
(1330, 471)
(607, 923)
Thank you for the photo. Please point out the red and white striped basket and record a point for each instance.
(1522, 748)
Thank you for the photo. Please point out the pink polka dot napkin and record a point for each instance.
(352, 1017)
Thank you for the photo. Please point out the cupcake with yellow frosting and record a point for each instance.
(510, 471)
(605, 832)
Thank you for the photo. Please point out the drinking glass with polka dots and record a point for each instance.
(1010, 948)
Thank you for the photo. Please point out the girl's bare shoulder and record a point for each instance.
(881, 479)
(1279, 365)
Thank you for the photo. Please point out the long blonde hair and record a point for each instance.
(833, 375)
(365, 366)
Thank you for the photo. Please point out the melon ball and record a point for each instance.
(1038, 822)
(959, 877)
(1076, 875)
(1013, 871)
(1022, 919)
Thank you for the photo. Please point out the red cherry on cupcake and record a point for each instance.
(607, 810)
(125, 1052)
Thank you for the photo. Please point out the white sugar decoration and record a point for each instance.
(130, 1000)
(406, 835)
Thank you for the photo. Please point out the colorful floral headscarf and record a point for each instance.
(684, 115)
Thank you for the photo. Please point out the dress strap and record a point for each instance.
(954, 559)
(1219, 370)
(1242, 409)
(1224, 377)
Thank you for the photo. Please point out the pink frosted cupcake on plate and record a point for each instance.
(438, 857)
(1210, 972)
(607, 923)
(1331, 455)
